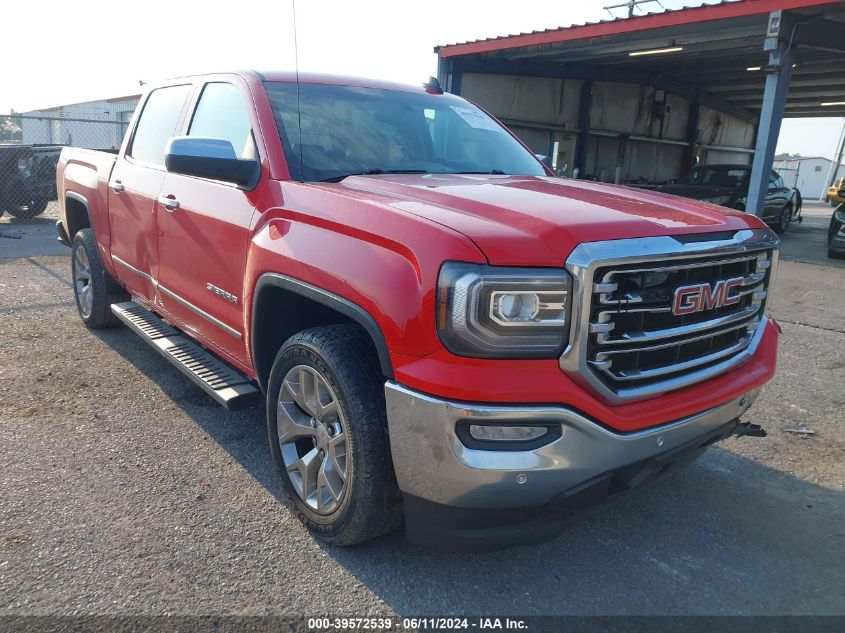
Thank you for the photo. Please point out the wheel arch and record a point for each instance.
(305, 306)
(77, 214)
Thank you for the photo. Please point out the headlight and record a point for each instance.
(497, 312)
(840, 215)
(717, 200)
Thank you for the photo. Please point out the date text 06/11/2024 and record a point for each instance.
(422, 624)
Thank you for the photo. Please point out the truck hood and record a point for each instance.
(529, 220)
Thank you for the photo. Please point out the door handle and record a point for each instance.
(117, 187)
(171, 204)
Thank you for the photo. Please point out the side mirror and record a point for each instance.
(547, 161)
(210, 158)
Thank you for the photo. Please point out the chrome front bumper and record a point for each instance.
(431, 462)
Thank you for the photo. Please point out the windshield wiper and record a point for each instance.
(374, 172)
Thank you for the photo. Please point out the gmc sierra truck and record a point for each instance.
(441, 329)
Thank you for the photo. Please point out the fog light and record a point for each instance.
(506, 433)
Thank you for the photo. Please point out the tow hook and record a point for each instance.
(750, 430)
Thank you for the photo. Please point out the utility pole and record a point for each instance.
(630, 5)
(838, 157)
(834, 166)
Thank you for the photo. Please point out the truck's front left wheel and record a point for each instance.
(327, 428)
(93, 288)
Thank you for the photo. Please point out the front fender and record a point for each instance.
(383, 261)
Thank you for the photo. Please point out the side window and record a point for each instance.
(158, 123)
(222, 114)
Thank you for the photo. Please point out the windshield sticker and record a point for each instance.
(476, 119)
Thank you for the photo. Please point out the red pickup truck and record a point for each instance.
(440, 328)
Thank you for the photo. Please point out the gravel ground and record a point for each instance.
(125, 490)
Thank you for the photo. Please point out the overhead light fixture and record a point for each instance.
(656, 51)
(768, 68)
(833, 103)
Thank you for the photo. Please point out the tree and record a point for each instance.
(10, 129)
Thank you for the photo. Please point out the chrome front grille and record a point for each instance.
(634, 336)
(627, 341)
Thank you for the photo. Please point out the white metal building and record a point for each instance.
(91, 124)
(810, 174)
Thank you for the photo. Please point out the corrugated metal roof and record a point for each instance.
(614, 26)
(589, 23)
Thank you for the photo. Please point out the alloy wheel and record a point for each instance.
(82, 281)
(785, 219)
(313, 439)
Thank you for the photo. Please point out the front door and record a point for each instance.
(777, 197)
(204, 232)
(134, 187)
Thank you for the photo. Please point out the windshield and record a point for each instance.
(731, 177)
(348, 130)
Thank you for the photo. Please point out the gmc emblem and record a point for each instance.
(697, 297)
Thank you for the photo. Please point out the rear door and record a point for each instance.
(205, 231)
(134, 187)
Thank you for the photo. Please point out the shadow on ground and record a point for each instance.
(727, 535)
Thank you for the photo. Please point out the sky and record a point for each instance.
(59, 52)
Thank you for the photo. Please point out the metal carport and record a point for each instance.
(646, 96)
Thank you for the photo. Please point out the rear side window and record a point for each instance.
(222, 114)
(158, 123)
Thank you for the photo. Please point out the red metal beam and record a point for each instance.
(679, 17)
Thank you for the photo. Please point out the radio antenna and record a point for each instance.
(298, 106)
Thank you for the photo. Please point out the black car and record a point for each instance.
(836, 232)
(727, 185)
(27, 178)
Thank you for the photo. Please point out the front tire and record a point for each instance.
(784, 221)
(327, 429)
(93, 288)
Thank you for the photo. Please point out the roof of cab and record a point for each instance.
(338, 80)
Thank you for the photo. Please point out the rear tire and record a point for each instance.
(327, 429)
(34, 208)
(93, 288)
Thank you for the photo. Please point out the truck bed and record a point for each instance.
(82, 177)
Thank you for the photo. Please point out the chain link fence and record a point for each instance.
(30, 144)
